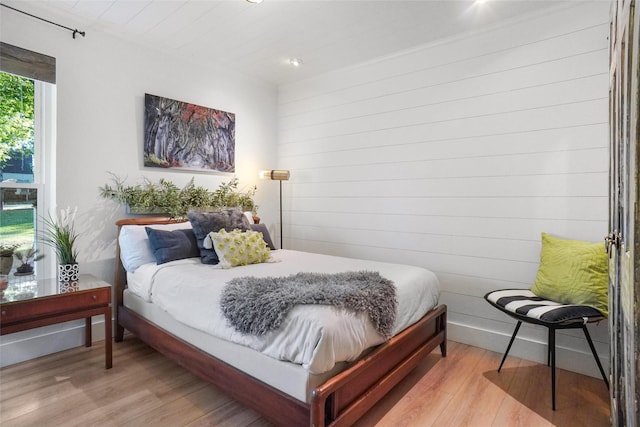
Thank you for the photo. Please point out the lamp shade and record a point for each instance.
(278, 175)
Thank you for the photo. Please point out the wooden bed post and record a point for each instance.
(442, 326)
(120, 276)
(118, 290)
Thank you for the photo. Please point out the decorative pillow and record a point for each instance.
(204, 223)
(172, 245)
(238, 248)
(262, 228)
(573, 272)
(135, 249)
(249, 216)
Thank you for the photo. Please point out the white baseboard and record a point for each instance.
(566, 358)
(27, 345)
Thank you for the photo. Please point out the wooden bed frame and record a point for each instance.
(341, 400)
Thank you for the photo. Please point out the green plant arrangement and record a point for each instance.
(164, 197)
(27, 257)
(60, 234)
(6, 256)
(7, 249)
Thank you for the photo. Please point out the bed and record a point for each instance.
(309, 390)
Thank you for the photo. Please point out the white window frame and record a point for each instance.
(44, 161)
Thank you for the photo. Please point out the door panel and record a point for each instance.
(624, 229)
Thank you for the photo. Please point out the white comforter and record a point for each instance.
(315, 336)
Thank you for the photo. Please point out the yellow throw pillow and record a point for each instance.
(239, 247)
(573, 272)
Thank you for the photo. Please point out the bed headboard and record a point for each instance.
(120, 279)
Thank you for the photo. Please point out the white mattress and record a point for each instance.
(290, 378)
(314, 336)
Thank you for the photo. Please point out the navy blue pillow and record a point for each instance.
(172, 245)
(262, 228)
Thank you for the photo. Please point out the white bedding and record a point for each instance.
(315, 336)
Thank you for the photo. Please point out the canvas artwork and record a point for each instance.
(180, 135)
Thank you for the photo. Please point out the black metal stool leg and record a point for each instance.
(513, 337)
(552, 350)
(595, 355)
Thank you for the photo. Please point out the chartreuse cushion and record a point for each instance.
(239, 247)
(573, 272)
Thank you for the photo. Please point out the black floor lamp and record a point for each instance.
(277, 175)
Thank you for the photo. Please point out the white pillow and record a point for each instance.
(135, 249)
(249, 216)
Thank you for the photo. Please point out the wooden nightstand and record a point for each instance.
(28, 305)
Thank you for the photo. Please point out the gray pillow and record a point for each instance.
(204, 223)
(262, 228)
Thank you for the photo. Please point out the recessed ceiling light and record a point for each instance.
(255, 1)
(295, 62)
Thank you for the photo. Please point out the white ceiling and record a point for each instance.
(259, 39)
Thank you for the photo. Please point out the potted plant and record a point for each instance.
(27, 257)
(60, 234)
(164, 197)
(6, 256)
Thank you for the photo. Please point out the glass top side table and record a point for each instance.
(28, 303)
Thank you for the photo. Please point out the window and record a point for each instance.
(26, 137)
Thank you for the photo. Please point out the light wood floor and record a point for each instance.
(145, 389)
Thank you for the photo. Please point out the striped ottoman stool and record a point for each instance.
(525, 306)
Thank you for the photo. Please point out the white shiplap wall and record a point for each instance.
(455, 157)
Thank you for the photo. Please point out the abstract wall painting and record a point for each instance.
(179, 135)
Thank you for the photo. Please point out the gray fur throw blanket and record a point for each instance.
(257, 305)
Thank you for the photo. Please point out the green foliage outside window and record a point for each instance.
(16, 116)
